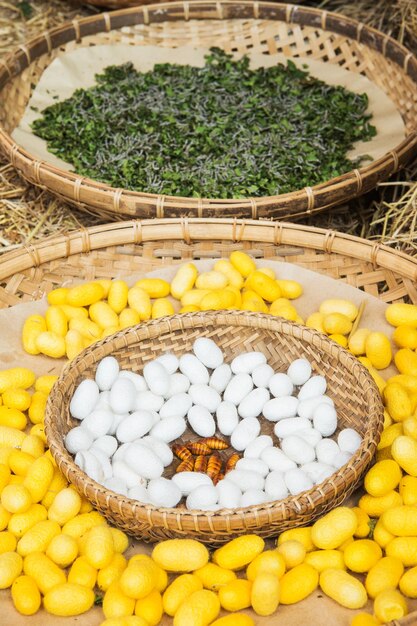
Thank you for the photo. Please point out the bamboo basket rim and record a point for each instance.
(150, 329)
(80, 190)
(85, 240)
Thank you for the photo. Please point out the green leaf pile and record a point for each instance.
(219, 131)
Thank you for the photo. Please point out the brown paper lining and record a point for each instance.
(77, 68)
(317, 609)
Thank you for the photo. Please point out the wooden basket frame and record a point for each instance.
(386, 53)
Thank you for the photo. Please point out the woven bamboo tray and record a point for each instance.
(119, 249)
(357, 401)
(265, 28)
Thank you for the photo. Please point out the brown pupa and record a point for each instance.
(215, 443)
(200, 463)
(182, 452)
(185, 466)
(198, 448)
(231, 462)
(214, 466)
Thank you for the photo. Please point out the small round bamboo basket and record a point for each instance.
(356, 398)
(261, 27)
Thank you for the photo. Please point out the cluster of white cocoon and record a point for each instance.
(128, 420)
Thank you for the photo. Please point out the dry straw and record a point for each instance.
(356, 398)
(263, 27)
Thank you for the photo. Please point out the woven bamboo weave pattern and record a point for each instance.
(265, 28)
(119, 249)
(356, 398)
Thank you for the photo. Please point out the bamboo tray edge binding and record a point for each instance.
(352, 44)
(29, 271)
